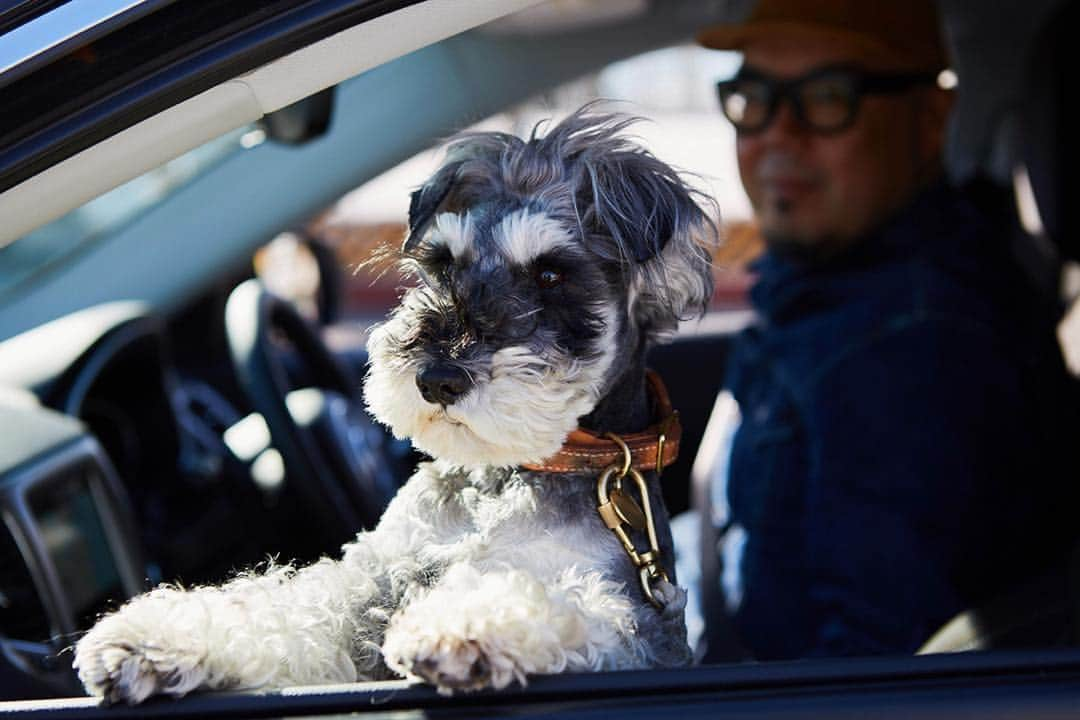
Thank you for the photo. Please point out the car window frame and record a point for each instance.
(206, 63)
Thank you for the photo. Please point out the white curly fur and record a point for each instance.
(519, 413)
(241, 635)
(459, 585)
(496, 626)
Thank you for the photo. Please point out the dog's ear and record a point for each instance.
(426, 200)
(655, 221)
(637, 206)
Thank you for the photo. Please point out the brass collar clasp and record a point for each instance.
(618, 510)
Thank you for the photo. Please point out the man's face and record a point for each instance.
(814, 194)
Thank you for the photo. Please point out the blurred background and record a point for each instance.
(672, 90)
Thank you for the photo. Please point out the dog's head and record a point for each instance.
(546, 266)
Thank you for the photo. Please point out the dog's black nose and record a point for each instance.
(442, 384)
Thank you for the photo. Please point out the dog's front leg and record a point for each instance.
(283, 627)
(485, 628)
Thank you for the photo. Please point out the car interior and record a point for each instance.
(170, 411)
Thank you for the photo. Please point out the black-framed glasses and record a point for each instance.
(824, 101)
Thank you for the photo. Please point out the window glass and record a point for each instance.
(37, 251)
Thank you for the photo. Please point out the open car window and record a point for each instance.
(164, 239)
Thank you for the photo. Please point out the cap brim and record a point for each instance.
(738, 36)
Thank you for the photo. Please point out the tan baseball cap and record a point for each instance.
(904, 35)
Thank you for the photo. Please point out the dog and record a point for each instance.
(545, 269)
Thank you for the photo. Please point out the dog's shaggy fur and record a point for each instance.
(546, 268)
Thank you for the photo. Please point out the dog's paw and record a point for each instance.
(460, 664)
(125, 670)
(475, 631)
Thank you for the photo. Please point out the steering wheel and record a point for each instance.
(339, 462)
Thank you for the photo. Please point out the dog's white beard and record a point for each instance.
(520, 412)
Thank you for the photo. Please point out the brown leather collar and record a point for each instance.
(587, 450)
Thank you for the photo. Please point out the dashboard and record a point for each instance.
(68, 549)
(115, 476)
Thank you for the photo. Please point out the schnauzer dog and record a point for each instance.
(546, 267)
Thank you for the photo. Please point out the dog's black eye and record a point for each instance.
(547, 278)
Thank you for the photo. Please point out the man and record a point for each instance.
(901, 403)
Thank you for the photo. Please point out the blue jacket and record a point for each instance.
(904, 411)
